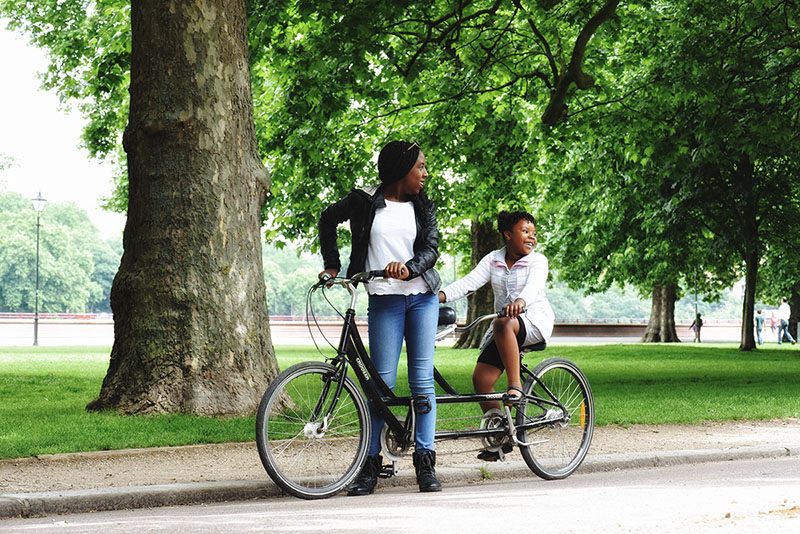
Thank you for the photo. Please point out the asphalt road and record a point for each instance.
(739, 496)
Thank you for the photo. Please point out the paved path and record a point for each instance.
(110, 480)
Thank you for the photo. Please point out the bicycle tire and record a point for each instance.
(312, 460)
(557, 448)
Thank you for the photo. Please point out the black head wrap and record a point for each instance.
(396, 159)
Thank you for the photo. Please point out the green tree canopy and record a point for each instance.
(74, 263)
(705, 150)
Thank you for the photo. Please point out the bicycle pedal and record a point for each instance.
(388, 470)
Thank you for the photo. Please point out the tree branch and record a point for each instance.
(540, 36)
(556, 108)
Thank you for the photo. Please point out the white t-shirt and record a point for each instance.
(391, 238)
(784, 312)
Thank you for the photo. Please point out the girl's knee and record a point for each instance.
(502, 325)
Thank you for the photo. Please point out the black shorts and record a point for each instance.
(491, 356)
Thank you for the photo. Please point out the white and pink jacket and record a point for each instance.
(526, 279)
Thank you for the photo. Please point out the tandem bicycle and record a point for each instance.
(313, 425)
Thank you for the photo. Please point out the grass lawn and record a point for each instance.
(43, 392)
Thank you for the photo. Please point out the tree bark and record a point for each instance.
(661, 326)
(749, 228)
(484, 238)
(748, 340)
(189, 300)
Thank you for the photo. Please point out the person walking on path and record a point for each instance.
(394, 228)
(759, 326)
(784, 311)
(696, 325)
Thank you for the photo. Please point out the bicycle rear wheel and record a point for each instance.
(307, 452)
(560, 444)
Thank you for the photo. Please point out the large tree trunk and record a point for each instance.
(661, 327)
(484, 238)
(191, 323)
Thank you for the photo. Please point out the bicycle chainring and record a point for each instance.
(391, 448)
(494, 418)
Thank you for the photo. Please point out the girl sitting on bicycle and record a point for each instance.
(394, 228)
(518, 276)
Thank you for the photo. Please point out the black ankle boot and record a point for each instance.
(367, 478)
(424, 463)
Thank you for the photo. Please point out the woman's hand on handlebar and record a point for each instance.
(397, 270)
(515, 309)
(326, 275)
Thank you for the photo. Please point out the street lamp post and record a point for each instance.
(38, 205)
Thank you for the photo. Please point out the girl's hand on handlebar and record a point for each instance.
(515, 308)
(397, 270)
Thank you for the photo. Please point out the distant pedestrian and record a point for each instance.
(696, 325)
(759, 326)
(773, 322)
(784, 311)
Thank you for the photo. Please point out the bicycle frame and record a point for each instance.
(313, 430)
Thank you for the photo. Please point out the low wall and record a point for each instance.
(60, 332)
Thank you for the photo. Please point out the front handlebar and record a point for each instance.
(359, 278)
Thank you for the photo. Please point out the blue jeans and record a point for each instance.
(758, 335)
(391, 318)
(783, 330)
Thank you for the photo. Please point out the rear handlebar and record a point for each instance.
(482, 318)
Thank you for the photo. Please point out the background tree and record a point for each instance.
(779, 273)
(5, 161)
(89, 46)
(735, 125)
(106, 255)
(69, 257)
(711, 140)
(464, 80)
(431, 59)
(189, 298)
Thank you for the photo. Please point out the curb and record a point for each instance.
(24, 505)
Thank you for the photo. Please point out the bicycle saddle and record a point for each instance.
(446, 316)
(532, 348)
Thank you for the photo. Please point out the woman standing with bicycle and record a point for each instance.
(394, 228)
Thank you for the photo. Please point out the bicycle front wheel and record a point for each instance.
(560, 438)
(311, 442)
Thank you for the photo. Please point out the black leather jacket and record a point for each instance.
(359, 207)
